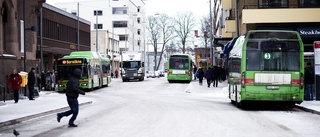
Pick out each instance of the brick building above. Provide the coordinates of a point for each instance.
(59, 37)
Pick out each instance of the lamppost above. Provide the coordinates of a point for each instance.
(97, 13)
(211, 34)
(113, 65)
(133, 29)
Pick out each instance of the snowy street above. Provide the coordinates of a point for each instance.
(155, 108)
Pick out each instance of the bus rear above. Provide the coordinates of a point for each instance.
(272, 67)
(179, 68)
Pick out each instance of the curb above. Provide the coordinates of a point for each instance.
(19, 120)
(307, 109)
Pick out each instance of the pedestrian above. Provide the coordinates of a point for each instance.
(72, 93)
(43, 79)
(216, 75)
(15, 80)
(116, 73)
(53, 79)
(48, 81)
(223, 73)
(200, 75)
(31, 83)
(309, 82)
(209, 76)
(195, 72)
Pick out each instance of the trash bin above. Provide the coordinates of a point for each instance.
(24, 76)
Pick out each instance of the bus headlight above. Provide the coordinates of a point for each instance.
(84, 84)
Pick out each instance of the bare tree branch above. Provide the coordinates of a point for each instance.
(184, 24)
(166, 25)
(154, 31)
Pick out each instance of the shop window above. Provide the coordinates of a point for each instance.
(309, 3)
(273, 3)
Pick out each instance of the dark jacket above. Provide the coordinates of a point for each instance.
(31, 78)
(209, 74)
(73, 89)
(309, 75)
(200, 73)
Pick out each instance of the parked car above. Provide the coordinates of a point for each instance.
(153, 74)
(150, 74)
(161, 73)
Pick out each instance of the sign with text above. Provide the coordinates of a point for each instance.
(317, 57)
(309, 32)
(75, 61)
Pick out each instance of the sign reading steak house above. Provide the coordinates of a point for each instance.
(309, 32)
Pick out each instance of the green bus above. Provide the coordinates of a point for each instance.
(267, 66)
(179, 68)
(95, 69)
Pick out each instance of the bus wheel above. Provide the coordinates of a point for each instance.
(238, 104)
(91, 85)
(169, 81)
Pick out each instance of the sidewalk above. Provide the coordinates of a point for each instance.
(222, 90)
(48, 102)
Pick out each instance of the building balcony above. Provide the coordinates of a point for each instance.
(226, 4)
(230, 26)
(282, 15)
(225, 34)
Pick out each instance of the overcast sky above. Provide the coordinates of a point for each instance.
(199, 7)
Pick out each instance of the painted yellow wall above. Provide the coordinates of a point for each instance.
(281, 15)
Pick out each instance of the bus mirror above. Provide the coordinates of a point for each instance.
(142, 64)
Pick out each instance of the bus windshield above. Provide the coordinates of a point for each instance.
(272, 55)
(179, 63)
(64, 72)
(131, 64)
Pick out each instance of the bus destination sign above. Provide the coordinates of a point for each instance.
(67, 62)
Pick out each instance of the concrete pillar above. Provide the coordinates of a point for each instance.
(50, 61)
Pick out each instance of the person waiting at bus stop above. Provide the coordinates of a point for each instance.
(15, 80)
(309, 82)
(72, 94)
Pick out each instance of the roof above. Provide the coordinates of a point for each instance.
(62, 12)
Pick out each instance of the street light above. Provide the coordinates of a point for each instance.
(133, 30)
(97, 13)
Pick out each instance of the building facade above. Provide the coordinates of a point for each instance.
(17, 38)
(122, 17)
(59, 36)
(298, 15)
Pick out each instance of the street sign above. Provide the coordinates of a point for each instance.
(317, 57)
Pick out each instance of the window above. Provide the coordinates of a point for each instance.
(138, 9)
(139, 30)
(309, 3)
(123, 37)
(74, 12)
(119, 10)
(273, 3)
(97, 12)
(99, 26)
(139, 41)
(120, 24)
(138, 20)
(273, 55)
